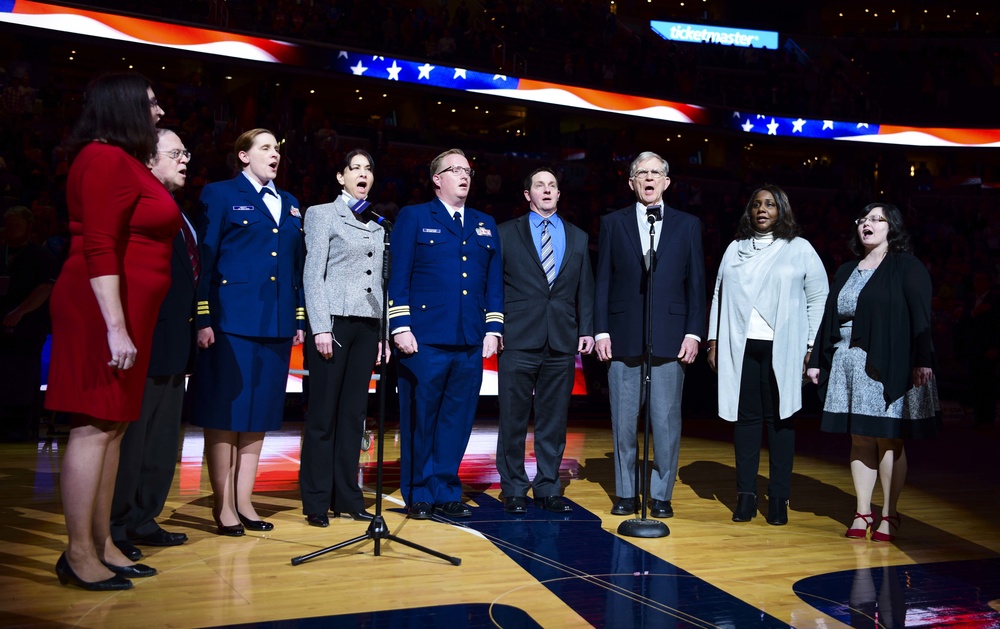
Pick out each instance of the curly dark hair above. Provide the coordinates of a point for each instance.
(898, 238)
(785, 227)
(116, 110)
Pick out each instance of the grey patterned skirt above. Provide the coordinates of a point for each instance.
(855, 402)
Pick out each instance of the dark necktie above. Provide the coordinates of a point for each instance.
(192, 249)
(548, 254)
(458, 220)
(266, 191)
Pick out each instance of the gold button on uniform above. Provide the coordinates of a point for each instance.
(464, 258)
(225, 281)
(465, 275)
(274, 253)
(272, 278)
(465, 292)
(275, 230)
(246, 222)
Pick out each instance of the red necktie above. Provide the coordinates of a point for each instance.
(192, 248)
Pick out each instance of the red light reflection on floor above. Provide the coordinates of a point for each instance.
(279, 461)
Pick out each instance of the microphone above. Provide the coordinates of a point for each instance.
(653, 214)
(364, 209)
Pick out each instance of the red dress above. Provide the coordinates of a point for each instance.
(122, 222)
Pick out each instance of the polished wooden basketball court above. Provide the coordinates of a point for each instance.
(541, 569)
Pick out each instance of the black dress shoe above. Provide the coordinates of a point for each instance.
(420, 511)
(135, 571)
(661, 509)
(777, 511)
(159, 538)
(453, 509)
(355, 515)
(130, 551)
(254, 525)
(516, 505)
(746, 507)
(67, 576)
(625, 506)
(555, 504)
(318, 519)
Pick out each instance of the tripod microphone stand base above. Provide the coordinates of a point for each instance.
(643, 528)
(378, 531)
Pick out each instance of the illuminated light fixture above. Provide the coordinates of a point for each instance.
(876, 15)
(312, 91)
(841, 14)
(477, 107)
(385, 95)
(131, 67)
(487, 111)
(361, 97)
(452, 111)
(357, 91)
(229, 78)
(71, 58)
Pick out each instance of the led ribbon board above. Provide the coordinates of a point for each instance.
(863, 131)
(723, 35)
(322, 59)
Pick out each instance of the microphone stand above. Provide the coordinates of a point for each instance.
(641, 527)
(377, 529)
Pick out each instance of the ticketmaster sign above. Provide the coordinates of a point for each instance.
(701, 34)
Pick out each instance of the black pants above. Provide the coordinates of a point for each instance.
(759, 405)
(338, 401)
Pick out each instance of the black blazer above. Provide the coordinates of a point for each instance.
(534, 315)
(174, 336)
(678, 283)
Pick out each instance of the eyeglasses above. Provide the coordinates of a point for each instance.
(176, 154)
(872, 219)
(650, 174)
(153, 102)
(459, 171)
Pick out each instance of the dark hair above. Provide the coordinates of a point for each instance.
(116, 110)
(784, 227)
(346, 162)
(543, 169)
(898, 238)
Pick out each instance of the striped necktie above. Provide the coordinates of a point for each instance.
(548, 254)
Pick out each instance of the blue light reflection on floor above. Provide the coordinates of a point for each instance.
(946, 594)
(606, 579)
(451, 616)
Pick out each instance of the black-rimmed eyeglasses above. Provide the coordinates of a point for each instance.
(459, 171)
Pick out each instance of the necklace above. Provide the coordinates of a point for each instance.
(753, 244)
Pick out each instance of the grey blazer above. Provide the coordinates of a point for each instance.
(343, 270)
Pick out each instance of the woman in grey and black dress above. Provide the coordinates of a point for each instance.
(873, 361)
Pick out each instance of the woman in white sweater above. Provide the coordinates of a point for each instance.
(766, 308)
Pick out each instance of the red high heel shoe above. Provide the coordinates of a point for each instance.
(861, 533)
(893, 521)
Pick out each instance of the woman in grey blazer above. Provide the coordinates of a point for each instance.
(343, 290)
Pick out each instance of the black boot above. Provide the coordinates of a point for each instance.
(746, 507)
(777, 511)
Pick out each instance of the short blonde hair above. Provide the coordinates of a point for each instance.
(436, 162)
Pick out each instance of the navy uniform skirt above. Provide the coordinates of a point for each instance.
(239, 383)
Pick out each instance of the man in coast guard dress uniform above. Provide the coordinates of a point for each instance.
(445, 315)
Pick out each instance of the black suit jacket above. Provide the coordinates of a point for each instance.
(174, 337)
(534, 315)
(678, 283)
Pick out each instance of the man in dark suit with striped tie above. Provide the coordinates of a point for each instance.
(548, 318)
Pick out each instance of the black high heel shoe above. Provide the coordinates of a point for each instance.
(135, 571)
(66, 576)
(254, 525)
(777, 511)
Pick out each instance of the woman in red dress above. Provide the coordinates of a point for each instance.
(104, 307)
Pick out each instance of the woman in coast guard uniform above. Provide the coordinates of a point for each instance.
(250, 311)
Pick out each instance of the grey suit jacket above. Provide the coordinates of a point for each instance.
(534, 315)
(343, 270)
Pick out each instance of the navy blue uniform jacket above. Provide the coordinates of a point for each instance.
(251, 267)
(447, 287)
